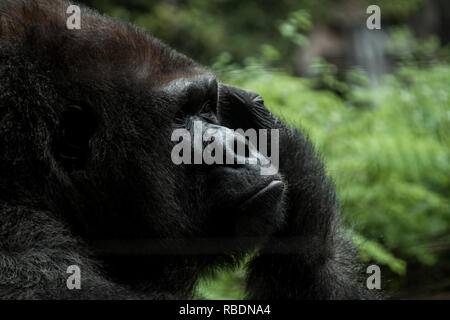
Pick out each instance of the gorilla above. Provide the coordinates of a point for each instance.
(87, 178)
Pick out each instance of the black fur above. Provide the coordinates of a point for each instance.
(86, 176)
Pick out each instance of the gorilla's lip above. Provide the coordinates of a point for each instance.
(275, 187)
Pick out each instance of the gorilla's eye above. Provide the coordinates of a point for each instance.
(206, 112)
(76, 128)
(207, 108)
(197, 97)
(180, 118)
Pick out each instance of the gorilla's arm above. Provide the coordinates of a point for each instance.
(35, 252)
(308, 258)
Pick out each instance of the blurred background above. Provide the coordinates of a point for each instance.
(375, 102)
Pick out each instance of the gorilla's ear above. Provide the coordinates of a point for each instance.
(76, 128)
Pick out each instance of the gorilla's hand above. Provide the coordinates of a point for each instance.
(308, 258)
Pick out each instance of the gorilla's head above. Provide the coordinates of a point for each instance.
(86, 120)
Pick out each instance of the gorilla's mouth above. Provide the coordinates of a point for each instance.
(272, 191)
(261, 214)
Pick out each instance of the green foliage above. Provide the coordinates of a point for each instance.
(390, 160)
(398, 9)
(371, 250)
(222, 285)
(407, 49)
(292, 28)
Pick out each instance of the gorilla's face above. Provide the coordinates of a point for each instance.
(107, 102)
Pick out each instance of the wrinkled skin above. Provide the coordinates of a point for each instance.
(86, 176)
